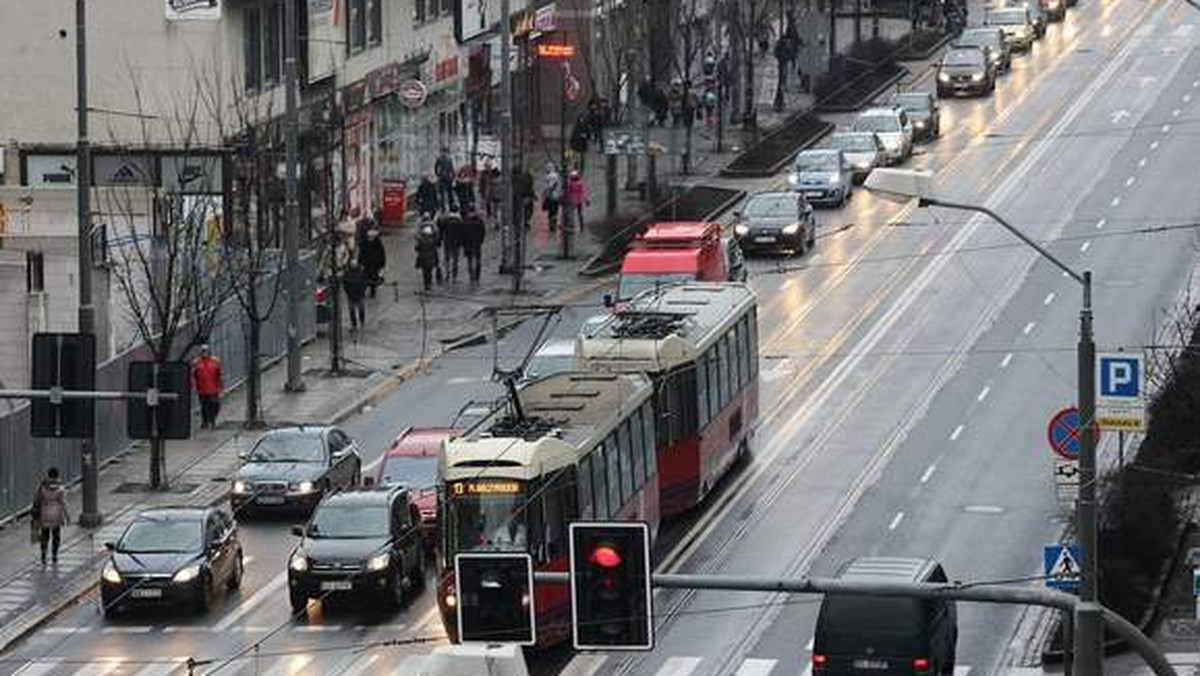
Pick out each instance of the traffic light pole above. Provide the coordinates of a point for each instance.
(89, 513)
(291, 225)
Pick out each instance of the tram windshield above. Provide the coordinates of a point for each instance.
(486, 515)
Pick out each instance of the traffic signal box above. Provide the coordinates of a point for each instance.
(66, 361)
(166, 419)
(611, 603)
(495, 598)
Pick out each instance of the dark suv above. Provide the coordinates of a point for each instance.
(361, 543)
(886, 635)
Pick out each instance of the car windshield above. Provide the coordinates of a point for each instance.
(963, 57)
(551, 359)
(883, 123)
(349, 521)
(913, 101)
(978, 38)
(486, 514)
(162, 536)
(412, 471)
(635, 283)
(853, 143)
(289, 447)
(1006, 17)
(817, 162)
(771, 206)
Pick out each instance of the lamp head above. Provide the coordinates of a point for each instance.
(900, 185)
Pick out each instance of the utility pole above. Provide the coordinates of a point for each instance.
(291, 225)
(514, 232)
(89, 515)
(1089, 625)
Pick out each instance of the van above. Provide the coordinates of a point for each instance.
(886, 635)
(675, 252)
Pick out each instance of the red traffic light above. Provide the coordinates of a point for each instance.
(605, 556)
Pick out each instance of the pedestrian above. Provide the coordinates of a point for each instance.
(427, 197)
(552, 194)
(577, 199)
(206, 377)
(675, 98)
(443, 169)
(49, 514)
(373, 259)
(489, 187)
(523, 196)
(473, 233)
(427, 253)
(355, 284)
(450, 227)
(710, 107)
(464, 187)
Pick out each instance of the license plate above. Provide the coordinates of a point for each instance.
(145, 593)
(765, 240)
(813, 193)
(337, 585)
(871, 664)
(269, 499)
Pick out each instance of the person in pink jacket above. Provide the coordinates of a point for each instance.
(576, 198)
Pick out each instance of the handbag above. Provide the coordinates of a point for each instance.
(35, 531)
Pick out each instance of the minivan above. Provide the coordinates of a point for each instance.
(886, 635)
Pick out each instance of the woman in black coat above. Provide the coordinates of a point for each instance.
(373, 259)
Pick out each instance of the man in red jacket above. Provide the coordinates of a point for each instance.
(206, 375)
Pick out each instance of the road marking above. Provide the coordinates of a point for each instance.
(1166, 128)
(66, 630)
(290, 665)
(1048, 299)
(1175, 113)
(317, 628)
(1142, 163)
(1028, 328)
(166, 666)
(1154, 145)
(1085, 246)
(467, 380)
(1007, 359)
(983, 509)
(41, 667)
(808, 646)
(1116, 200)
(963, 670)
(360, 666)
(983, 393)
(251, 603)
(1179, 659)
(957, 431)
(100, 667)
(924, 479)
(756, 667)
(678, 666)
(1130, 181)
(896, 521)
(140, 629)
(1187, 98)
(583, 664)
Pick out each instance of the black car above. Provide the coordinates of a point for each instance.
(923, 110)
(965, 70)
(776, 221)
(172, 555)
(295, 467)
(360, 543)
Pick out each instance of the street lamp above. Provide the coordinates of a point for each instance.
(905, 185)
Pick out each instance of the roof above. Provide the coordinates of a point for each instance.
(566, 415)
(360, 497)
(178, 512)
(304, 430)
(420, 441)
(886, 568)
(676, 231)
(818, 151)
(662, 261)
(556, 347)
(879, 110)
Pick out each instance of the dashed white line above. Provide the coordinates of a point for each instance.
(984, 393)
(679, 666)
(1085, 246)
(928, 473)
(1154, 145)
(1101, 223)
(957, 431)
(127, 630)
(1028, 328)
(1175, 113)
(1187, 98)
(1007, 358)
(1166, 128)
(1195, 84)
(1116, 201)
(66, 630)
(896, 521)
(1142, 163)
(318, 628)
(1048, 299)
(1130, 181)
(756, 666)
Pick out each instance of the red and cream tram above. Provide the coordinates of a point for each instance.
(699, 343)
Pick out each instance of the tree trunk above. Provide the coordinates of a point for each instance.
(610, 180)
(158, 477)
(253, 372)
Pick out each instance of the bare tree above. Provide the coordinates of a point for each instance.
(746, 19)
(695, 39)
(164, 253)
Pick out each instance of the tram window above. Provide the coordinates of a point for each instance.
(685, 382)
(723, 369)
(702, 390)
(626, 452)
(532, 517)
(735, 361)
(714, 382)
(638, 446)
(558, 509)
(599, 492)
(744, 352)
(614, 476)
(585, 490)
(753, 342)
(651, 450)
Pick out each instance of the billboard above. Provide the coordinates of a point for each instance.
(186, 10)
(325, 37)
(475, 17)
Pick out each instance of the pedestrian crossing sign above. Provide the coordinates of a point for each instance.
(1060, 566)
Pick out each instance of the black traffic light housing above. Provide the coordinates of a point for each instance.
(66, 361)
(611, 603)
(168, 419)
(495, 598)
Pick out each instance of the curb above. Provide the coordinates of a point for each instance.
(865, 99)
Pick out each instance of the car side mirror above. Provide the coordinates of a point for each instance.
(368, 481)
(608, 300)
(298, 531)
(243, 455)
(737, 215)
(110, 546)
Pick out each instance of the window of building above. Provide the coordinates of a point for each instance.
(264, 39)
(252, 48)
(35, 272)
(273, 44)
(364, 27)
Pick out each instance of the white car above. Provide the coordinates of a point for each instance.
(892, 126)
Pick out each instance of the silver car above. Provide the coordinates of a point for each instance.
(893, 128)
(863, 150)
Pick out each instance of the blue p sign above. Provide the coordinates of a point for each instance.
(1120, 376)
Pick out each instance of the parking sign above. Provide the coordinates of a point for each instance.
(1121, 384)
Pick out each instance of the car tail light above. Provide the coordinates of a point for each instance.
(819, 662)
(920, 665)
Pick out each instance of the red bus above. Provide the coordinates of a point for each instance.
(581, 448)
(699, 343)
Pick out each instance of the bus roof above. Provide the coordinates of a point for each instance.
(677, 231)
(661, 329)
(566, 414)
(661, 261)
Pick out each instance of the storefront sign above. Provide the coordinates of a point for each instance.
(446, 69)
(183, 10)
(555, 51)
(50, 171)
(383, 81)
(413, 93)
(395, 202)
(192, 174)
(122, 170)
(354, 96)
(545, 18)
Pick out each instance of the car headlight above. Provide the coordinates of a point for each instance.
(791, 229)
(793, 178)
(995, 57)
(835, 179)
(379, 562)
(862, 165)
(111, 575)
(298, 562)
(920, 124)
(944, 77)
(304, 486)
(186, 575)
(741, 229)
(240, 486)
(977, 77)
(450, 600)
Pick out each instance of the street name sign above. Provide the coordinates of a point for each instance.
(1060, 566)
(1121, 391)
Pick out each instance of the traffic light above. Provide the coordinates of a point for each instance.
(611, 604)
(66, 361)
(495, 598)
(168, 419)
